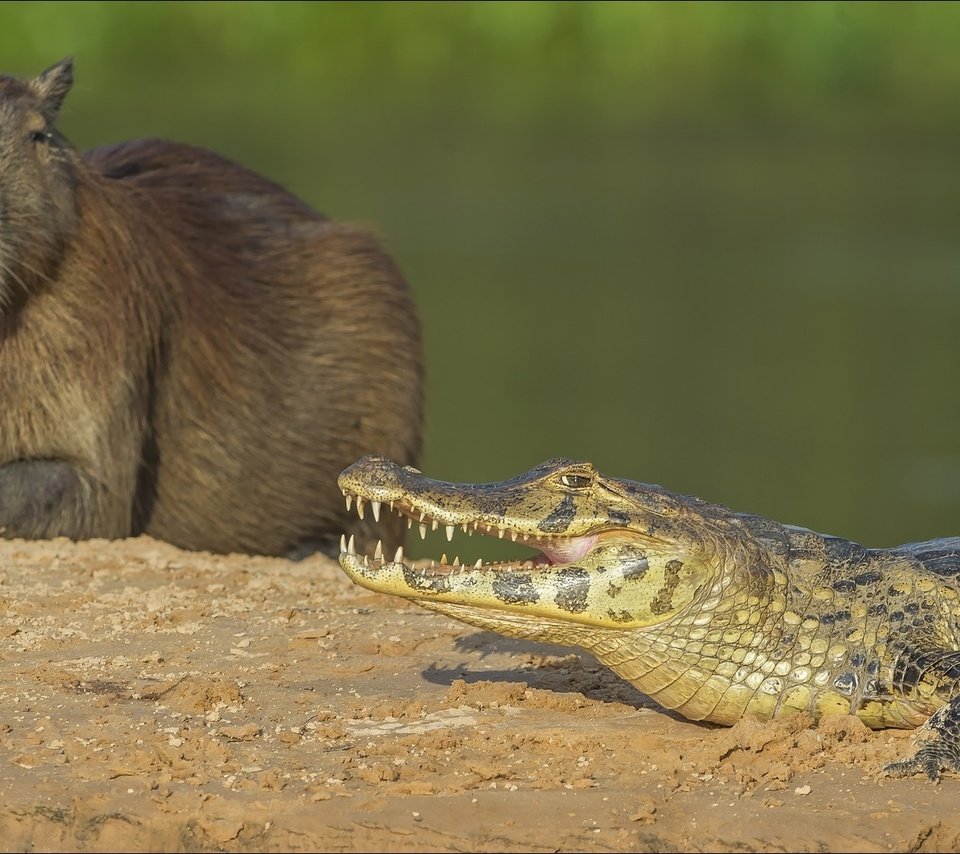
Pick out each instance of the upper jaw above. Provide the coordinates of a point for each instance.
(554, 548)
(375, 484)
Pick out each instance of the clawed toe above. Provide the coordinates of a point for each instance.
(928, 764)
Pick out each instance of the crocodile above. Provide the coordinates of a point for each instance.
(712, 613)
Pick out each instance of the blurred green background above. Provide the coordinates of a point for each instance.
(710, 245)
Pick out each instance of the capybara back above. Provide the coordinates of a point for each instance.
(186, 349)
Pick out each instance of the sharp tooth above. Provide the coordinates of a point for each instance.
(478, 564)
(500, 533)
(351, 548)
(449, 532)
(359, 506)
(391, 505)
(409, 523)
(375, 507)
(398, 557)
(513, 536)
(443, 559)
(434, 525)
(366, 561)
(433, 564)
(423, 531)
(378, 551)
(423, 516)
(349, 501)
(456, 561)
(464, 526)
(343, 543)
(476, 526)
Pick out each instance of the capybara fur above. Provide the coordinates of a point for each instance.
(186, 349)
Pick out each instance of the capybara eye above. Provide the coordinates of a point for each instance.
(40, 136)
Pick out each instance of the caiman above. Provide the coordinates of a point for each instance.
(712, 613)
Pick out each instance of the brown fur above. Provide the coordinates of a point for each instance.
(186, 349)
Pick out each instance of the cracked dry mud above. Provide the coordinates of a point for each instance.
(154, 699)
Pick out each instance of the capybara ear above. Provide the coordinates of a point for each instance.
(52, 86)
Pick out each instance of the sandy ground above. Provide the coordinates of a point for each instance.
(153, 699)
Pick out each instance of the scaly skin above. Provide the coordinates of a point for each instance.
(712, 613)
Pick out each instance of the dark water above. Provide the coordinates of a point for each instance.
(766, 317)
(768, 320)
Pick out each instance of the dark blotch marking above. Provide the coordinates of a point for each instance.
(614, 590)
(618, 517)
(909, 667)
(771, 533)
(857, 659)
(515, 588)
(425, 582)
(620, 616)
(838, 551)
(944, 561)
(635, 571)
(573, 584)
(846, 683)
(908, 677)
(663, 601)
(559, 520)
(868, 577)
(844, 585)
(877, 609)
(950, 672)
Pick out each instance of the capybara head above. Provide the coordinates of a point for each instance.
(37, 209)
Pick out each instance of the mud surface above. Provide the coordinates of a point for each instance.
(153, 699)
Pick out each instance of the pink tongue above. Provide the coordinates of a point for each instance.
(568, 551)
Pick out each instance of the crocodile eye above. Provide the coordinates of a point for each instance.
(575, 481)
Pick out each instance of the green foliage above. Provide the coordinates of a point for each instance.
(510, 58)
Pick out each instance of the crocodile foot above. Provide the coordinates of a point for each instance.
(938, 745)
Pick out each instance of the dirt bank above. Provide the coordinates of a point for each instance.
(153, 699)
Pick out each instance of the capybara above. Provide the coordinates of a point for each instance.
(186, 349)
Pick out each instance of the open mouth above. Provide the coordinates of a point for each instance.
(606, 576)
(551, 549)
